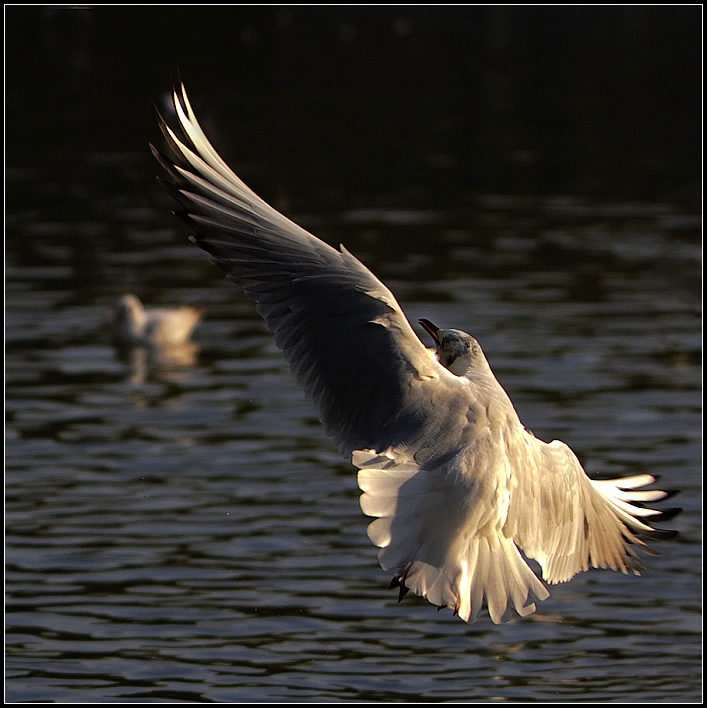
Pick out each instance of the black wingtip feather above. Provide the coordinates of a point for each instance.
(176, 155)
(667, 514)
(659, 534)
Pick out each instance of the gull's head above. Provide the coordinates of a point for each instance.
(129, 315)
(457, 351)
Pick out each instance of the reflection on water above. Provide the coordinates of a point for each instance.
(165, 362)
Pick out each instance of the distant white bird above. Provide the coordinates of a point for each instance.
(457, 485)
(156, 327)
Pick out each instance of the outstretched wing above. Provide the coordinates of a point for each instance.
(341, 330)
(454, 538)
(569, 522)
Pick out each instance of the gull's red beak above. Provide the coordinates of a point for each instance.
(431, 329)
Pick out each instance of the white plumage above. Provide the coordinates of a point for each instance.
(133, 324)
(456, 484)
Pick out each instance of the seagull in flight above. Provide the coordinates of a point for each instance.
(461, 493)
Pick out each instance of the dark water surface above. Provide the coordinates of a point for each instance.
(182, 531)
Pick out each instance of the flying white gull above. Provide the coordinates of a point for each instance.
(457, 485)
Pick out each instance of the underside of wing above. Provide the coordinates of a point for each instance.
(341, 330)
(569, 522)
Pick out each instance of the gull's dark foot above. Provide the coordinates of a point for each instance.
(398, 581)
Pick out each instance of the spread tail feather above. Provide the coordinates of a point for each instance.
(435, 554)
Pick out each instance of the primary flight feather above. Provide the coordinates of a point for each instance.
(458, 487)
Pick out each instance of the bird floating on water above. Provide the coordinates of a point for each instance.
(134, 325)
(458, 487)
